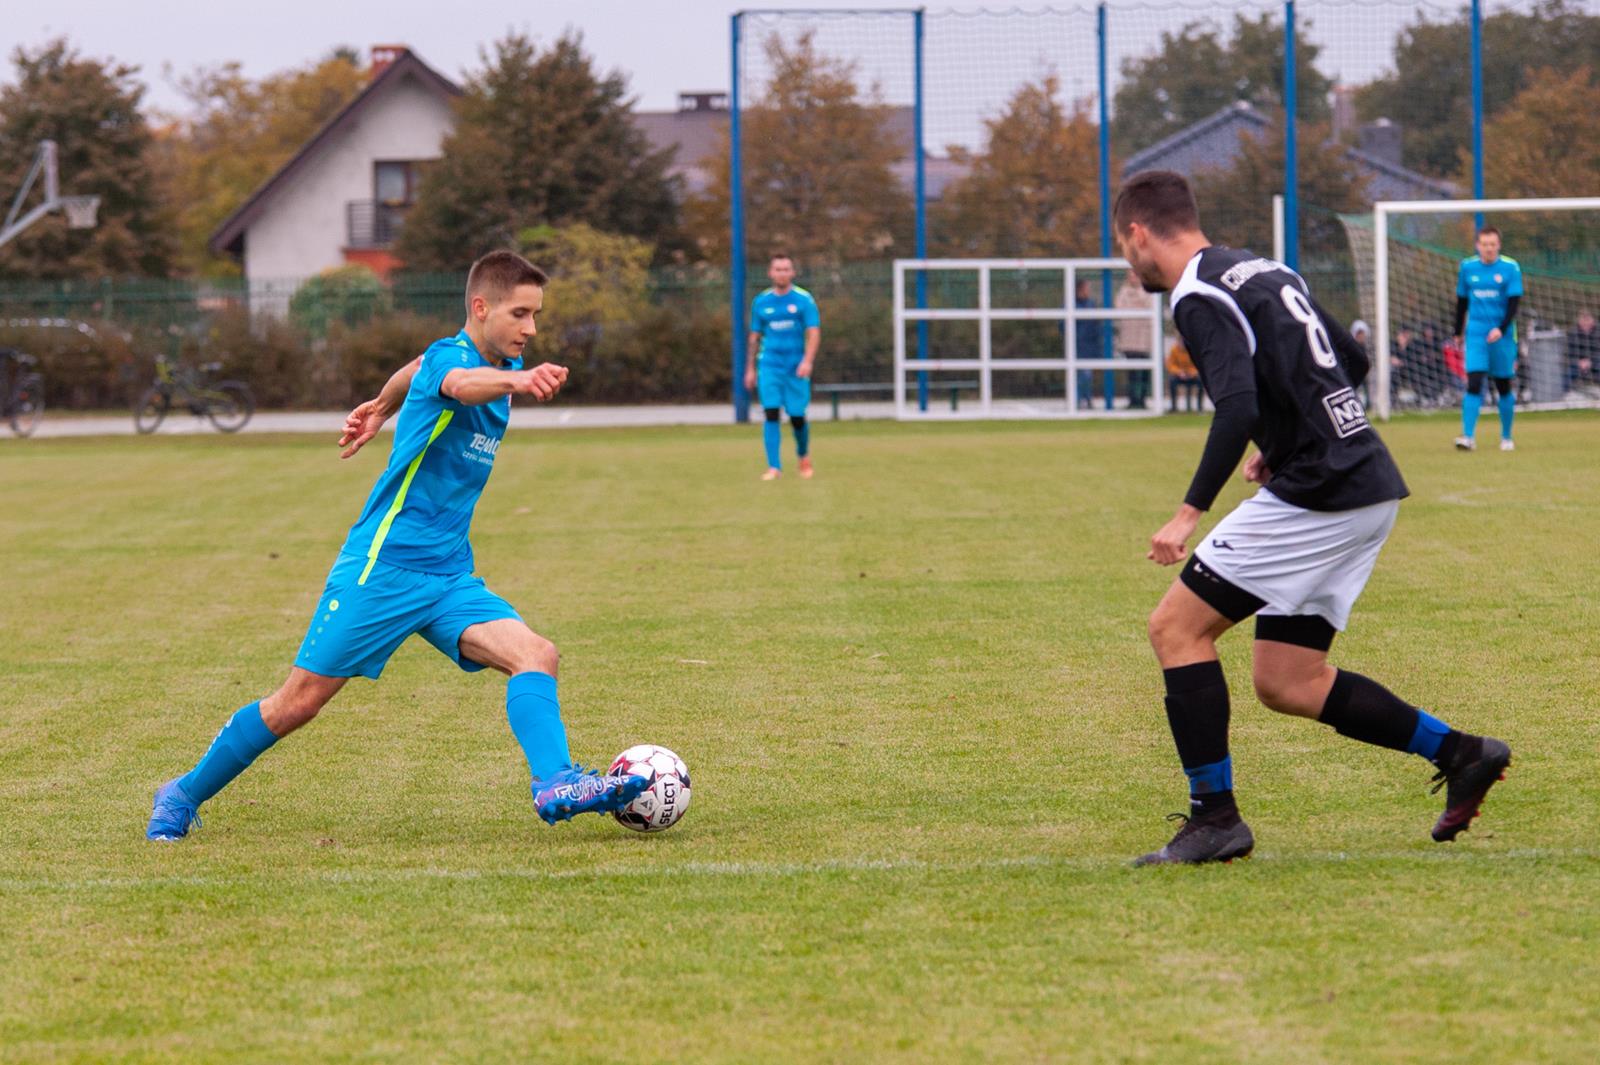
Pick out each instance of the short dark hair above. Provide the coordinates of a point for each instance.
(497, 274)
(775, 256)
(1488, 231)
(1159, 200)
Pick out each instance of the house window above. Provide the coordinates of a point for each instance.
(395, 183)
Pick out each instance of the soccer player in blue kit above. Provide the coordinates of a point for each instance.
(785, 330)
(1488, 290)
(406, 566)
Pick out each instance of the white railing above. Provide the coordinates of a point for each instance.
(985, 365)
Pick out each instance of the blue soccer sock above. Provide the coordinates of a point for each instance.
(772, 437)
(535, 717)
(1365, 710)
(240, 742)
(1471, 404)
(1508, 409)
(1197, 712)
(802, 434)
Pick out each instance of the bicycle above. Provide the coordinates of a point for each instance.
(227, 404)
(21, 391)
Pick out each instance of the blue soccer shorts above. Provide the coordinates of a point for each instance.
(781, 388)
(1498, 359)
(360, 624)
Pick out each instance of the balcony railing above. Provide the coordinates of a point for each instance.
(371, 224)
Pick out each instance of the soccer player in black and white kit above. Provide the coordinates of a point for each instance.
(1283, 374)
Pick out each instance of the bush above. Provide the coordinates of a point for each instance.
(362, 357)
(345, 294)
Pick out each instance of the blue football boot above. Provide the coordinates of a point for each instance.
(576, 790)
(173, 814)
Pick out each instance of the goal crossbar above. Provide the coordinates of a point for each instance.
(1380, 273)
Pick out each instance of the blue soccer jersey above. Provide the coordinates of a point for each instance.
(1487, 288)
(419, 511)
(782, 322)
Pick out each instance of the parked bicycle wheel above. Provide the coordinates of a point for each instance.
(27, 404)
(229, 405)
(150, 410)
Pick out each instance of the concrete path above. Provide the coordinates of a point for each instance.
(328, 422)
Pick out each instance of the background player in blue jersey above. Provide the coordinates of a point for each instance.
(406, 566)
(785, 330)
(1488, 289)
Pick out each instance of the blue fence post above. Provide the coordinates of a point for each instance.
(922, 207)
(736, 263)
(1108, 348)
(1477, 105)
(1291, 181)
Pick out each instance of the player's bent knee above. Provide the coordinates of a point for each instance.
(773, 414)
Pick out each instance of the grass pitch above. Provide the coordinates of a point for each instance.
(926, 736)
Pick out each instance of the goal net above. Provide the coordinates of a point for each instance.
(1408, 256)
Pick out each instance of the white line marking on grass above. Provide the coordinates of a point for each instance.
(782, 869)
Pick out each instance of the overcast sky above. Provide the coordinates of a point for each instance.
(664, 46)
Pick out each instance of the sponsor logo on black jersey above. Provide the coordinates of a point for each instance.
(1346, 412)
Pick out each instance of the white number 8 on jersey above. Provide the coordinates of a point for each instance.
(1316, 335)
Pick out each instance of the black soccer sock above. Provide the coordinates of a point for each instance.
(1365, 710)
(1197, 712)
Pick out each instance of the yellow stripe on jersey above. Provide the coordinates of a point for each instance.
(400, 496)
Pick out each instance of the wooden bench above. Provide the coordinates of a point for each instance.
(833, 392)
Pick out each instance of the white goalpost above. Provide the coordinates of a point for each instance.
(1383, 211)
(1055, 371)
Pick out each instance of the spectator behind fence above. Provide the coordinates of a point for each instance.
(1091, 345)
(1134, 337)
(1182, 377)
(1583, 352)
(1414, 367)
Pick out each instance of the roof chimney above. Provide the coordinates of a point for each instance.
(384, 56)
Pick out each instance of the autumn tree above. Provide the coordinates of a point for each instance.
(1430, 93)
(1199, 71)
(236, 133)
(90, 108)
(818, 154)
(541, 138)
(1545, 145)
(1032, 190)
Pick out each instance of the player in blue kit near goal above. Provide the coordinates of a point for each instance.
(1488, 292)
(406, 565)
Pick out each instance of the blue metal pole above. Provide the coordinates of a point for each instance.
(736, 259)
(1291, 179)
(1477, 105)
(922, 206)
(1109, 350)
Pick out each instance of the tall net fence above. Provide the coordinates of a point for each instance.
(1010, 112)
(1556, 334)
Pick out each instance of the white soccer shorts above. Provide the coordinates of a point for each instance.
(1299, 561)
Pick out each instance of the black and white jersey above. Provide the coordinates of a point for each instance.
(1251, 325)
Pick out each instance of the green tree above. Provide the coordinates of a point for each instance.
(1234, 199)
(90, 108)
(818, 157)
(1032, 190)
(1196, 72)
(1430, 93)
(236, 133)
(540, 138)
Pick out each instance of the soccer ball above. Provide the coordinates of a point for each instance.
(662, 804)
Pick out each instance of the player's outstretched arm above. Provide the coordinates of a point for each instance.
(363, 423)
(485, 383)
